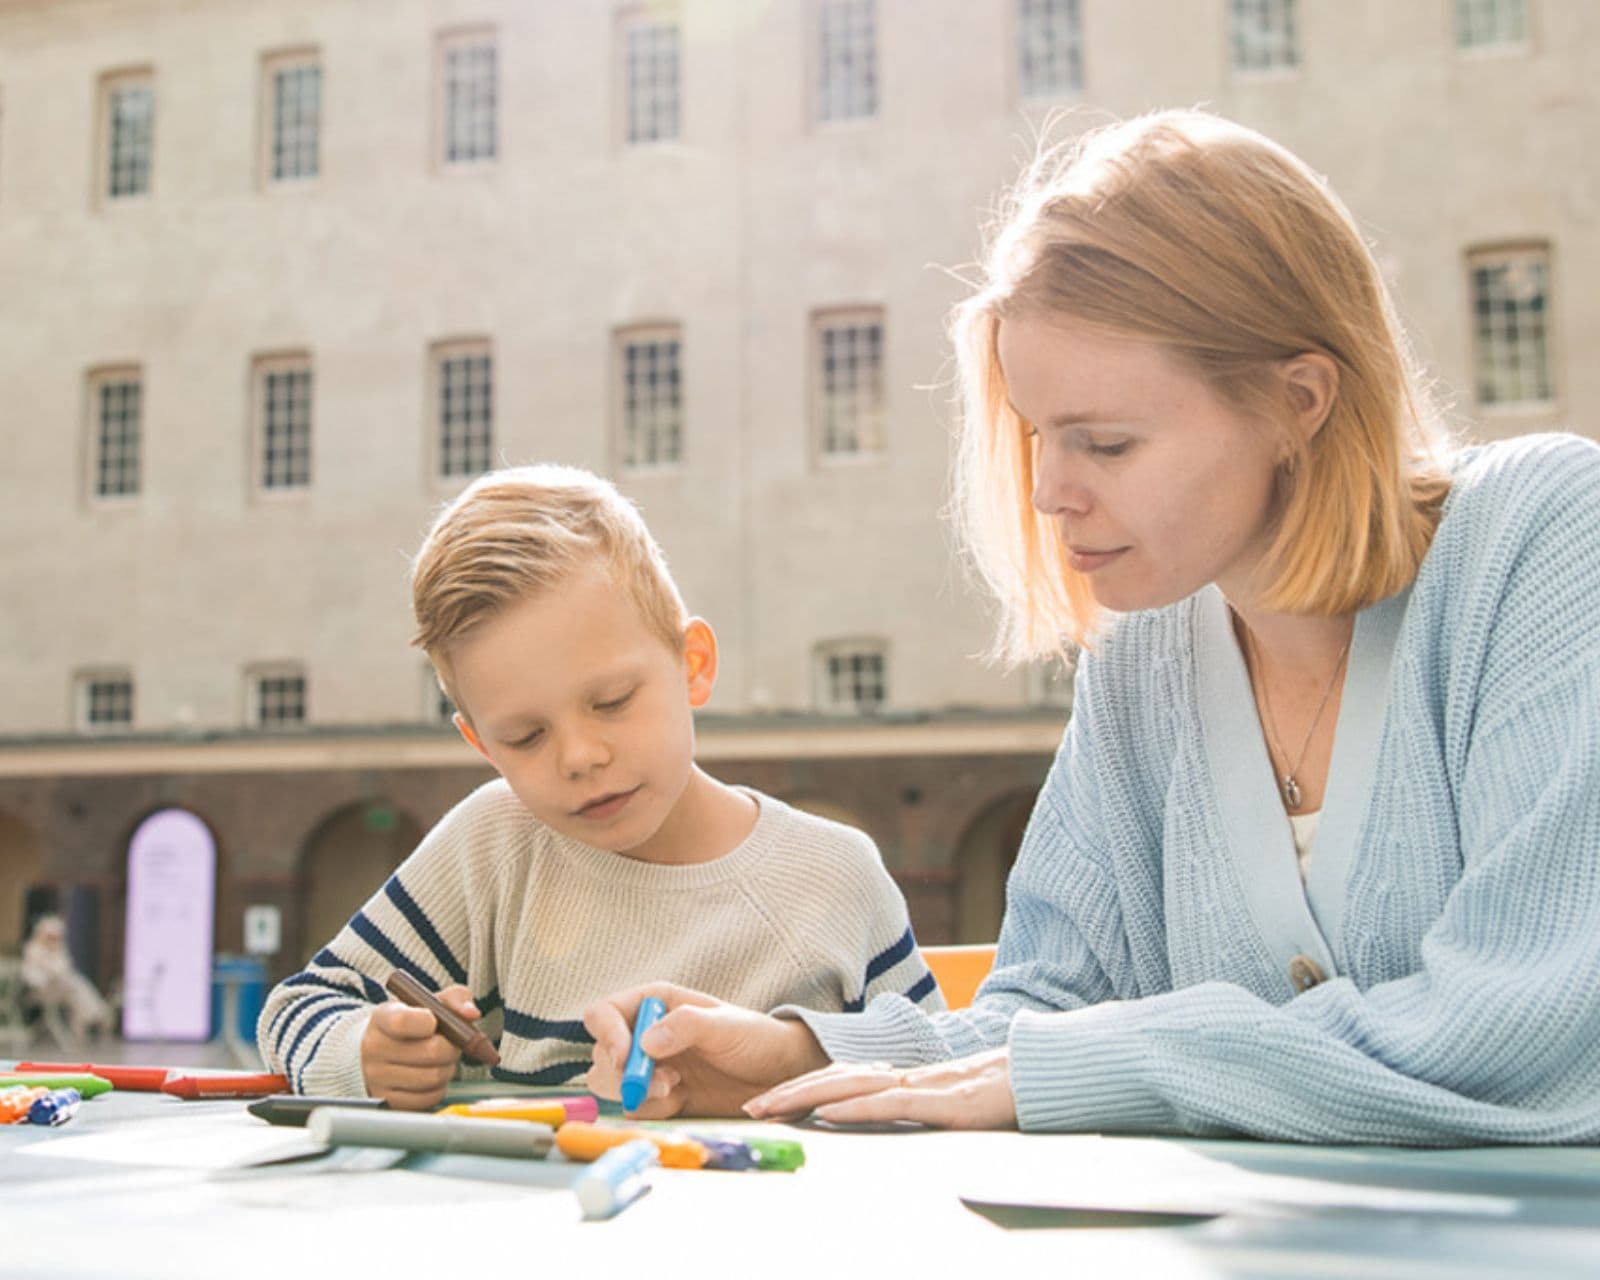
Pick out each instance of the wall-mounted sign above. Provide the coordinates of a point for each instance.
(166, 984)
(263, 930)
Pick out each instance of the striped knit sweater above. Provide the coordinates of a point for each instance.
(1143, 981)
(539, 926)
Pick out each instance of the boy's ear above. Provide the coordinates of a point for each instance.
(460, 722)
(700, 660)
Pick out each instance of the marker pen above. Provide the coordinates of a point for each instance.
(16, 1103)
(56, 1107)
(139, 1079)
(580, 1141)
(615, 1180)
(189, 1087)
(88, 1086)
(640, 1066)
(727, 1153)
(550, 1111)
(452, 1026)
(782, 1155)
(293, 1108)
(344, 1127)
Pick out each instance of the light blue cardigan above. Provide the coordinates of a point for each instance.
(1453, 899)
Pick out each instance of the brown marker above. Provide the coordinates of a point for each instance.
(452, 1026)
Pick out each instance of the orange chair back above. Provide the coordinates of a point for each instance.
(959, 971)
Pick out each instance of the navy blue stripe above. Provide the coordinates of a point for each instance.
(890, 956)
(417, 918)
(305, 1030)
(489, 1003)
(528, 1027)
(306, 979)
(559, 1073)
(921, 987)
(856, 1005)
(302, 1006)
(325, 959)
(361, 925)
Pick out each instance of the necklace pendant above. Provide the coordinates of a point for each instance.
(1291, 791)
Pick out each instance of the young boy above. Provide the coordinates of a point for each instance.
(603, 856)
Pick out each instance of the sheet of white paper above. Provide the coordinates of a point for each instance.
(198, 1142)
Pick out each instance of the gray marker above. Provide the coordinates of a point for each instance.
(340, 1127)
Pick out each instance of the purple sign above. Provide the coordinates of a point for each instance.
(166, 970)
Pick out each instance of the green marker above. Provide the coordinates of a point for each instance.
(88, 1086)
(780, 1154)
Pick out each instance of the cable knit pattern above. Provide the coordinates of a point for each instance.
(1453, 903)
(539, 926)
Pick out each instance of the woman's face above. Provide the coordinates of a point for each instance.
(1156, 486)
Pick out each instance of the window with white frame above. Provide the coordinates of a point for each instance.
(283, 422)
(1049, 47)
(464, 387)
(1511, 325)
(852, 677)
(1264, 35)
(1049, 684)
(849, 383)
(847, 59)
(469, 97)
(650, 397)
(293, 106)
(116, 415)
(651, 74)
(278, 698)
(128, 111)
(1485, 23)
(105, 701)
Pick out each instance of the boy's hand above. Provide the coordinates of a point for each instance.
(404, 1059)
(711, 1057)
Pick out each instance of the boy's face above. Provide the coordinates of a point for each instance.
(584, 710)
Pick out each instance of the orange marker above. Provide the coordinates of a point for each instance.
(14, 1103)
(554, 1112)
(578, 1140)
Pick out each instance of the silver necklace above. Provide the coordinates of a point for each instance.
(1287, 784)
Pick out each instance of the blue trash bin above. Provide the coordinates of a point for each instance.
(249, 974)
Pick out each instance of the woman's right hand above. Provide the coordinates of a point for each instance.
(712, 1057)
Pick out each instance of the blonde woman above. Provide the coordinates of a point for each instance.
(1317, 858)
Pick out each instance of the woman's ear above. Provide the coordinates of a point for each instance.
(1311, 385)
(700, 660)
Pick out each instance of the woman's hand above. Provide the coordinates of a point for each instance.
(711, 1056)
(404, 1059)
(965, 1093)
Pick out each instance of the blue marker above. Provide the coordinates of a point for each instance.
(56, 1107)
(640, 1066)
(727, 1153)
(616, 1179)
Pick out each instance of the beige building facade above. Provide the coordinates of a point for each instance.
(283, 275)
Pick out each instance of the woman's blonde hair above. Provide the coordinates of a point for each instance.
(516, 533)
(1208, 239)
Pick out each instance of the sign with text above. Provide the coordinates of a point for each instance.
(172, 872)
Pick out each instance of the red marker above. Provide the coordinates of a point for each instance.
(138, 1079)
(192, 1087)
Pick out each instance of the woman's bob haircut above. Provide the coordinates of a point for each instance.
(1213, 242)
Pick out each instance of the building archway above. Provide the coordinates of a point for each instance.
(344, 862)
(19, 868)
(984, 857)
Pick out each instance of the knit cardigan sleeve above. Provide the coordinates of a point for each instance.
(1061, 940)
(1494, 1038)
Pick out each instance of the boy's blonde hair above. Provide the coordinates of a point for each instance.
(514, 533)
(1217, 244)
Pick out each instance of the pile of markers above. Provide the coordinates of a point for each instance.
(38, 1104)
(619, 1157)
